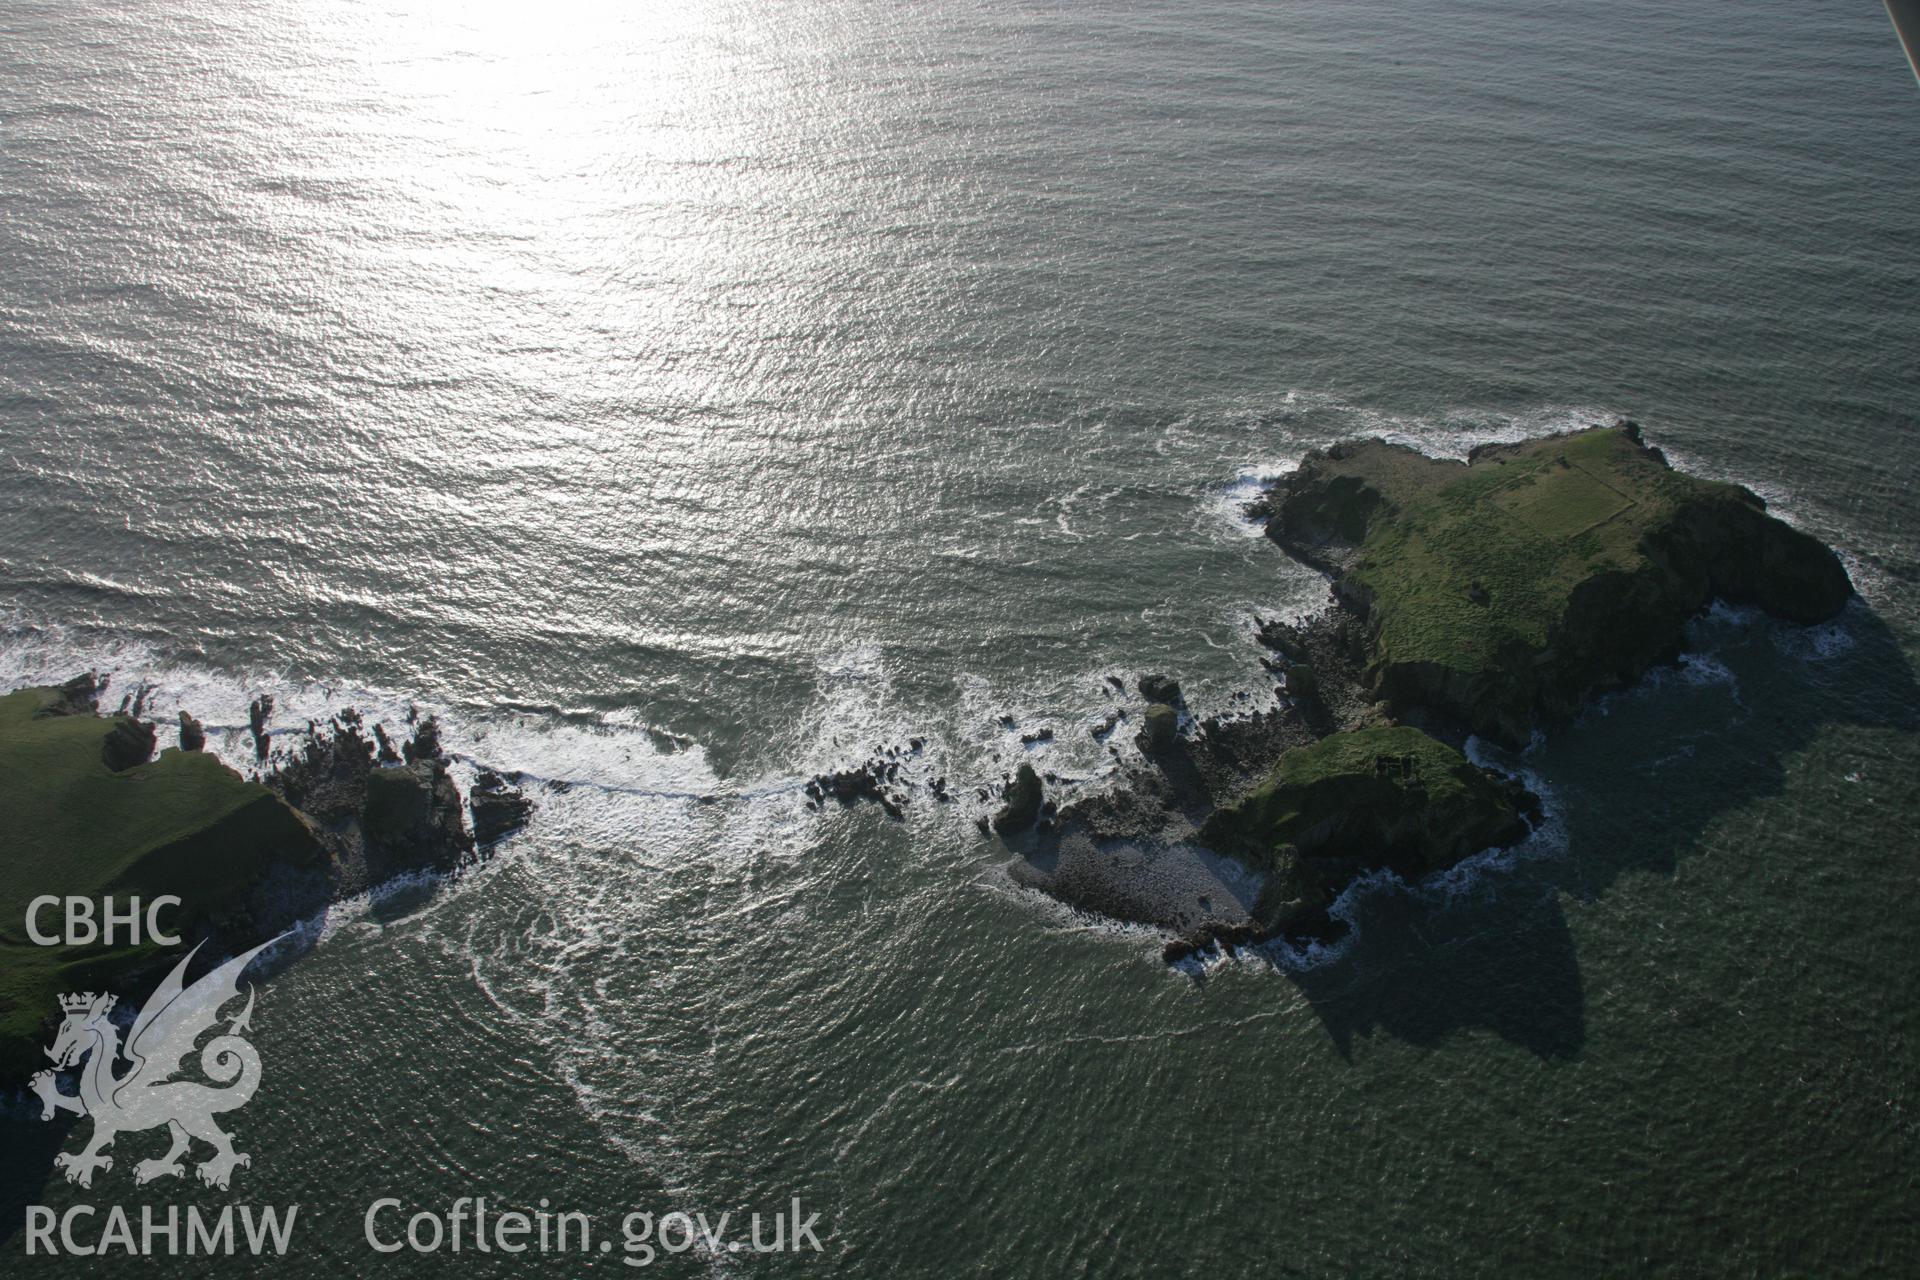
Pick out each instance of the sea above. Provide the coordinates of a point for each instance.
(681, 400)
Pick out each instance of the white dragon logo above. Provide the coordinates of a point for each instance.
(149, 1094)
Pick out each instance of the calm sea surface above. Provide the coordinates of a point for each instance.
(684, 398)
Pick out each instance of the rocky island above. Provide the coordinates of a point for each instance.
(94, 812)
(1491, 597)
(1488, 597)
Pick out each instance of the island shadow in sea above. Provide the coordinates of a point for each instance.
(1637, 780)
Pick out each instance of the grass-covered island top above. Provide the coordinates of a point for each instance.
(1390, 796)
(1510, 588)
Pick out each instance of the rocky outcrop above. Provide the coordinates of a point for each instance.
(499, 807)
(1487, 596)
(91, 812)
(1162, 727)
(127, 744)
(376, 821)
(1368, 799)
(79, 696)
(1161, 688)
(249, 858)
(873, 781)
(1023, 798)
(259, 711)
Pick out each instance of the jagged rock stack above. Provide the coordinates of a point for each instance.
(499, 809)
(1023, 799)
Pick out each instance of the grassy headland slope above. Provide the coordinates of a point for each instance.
(181, 824)
(1514, 586)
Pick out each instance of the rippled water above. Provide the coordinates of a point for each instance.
(682, 399)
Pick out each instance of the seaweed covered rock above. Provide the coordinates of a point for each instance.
(1511, 588)
(1367, 799)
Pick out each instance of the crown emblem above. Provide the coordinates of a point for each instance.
(81, 1001)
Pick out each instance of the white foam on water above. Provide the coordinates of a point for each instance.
(854, 713)
(1318, 420)
(617, 752)
(1548, 839)
(1064, 917)
(1720, 620)
(1224, 509)
(1822, 642)
(359, 911)
(1066, 505)
(1315, 953)
(1070, 705)
(1698, 670)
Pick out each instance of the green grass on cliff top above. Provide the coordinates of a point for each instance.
(1357, 754)
(1526, 525)
(1377, 771)
(183, 824)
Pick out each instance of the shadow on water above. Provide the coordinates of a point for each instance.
(28, 1145)
(1634, 784)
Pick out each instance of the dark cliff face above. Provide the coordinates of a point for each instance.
(1369, 798)
(376, 821)
(1509, 590)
